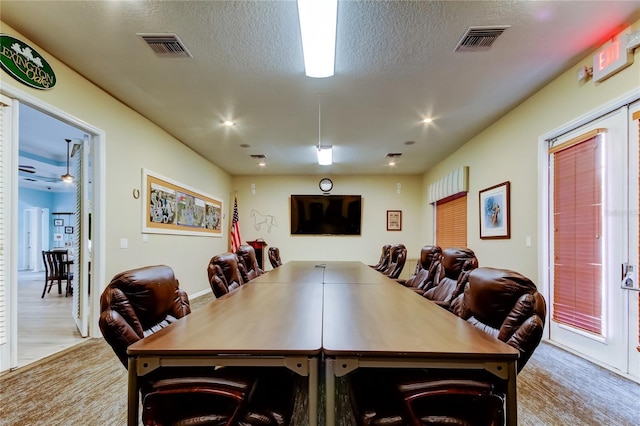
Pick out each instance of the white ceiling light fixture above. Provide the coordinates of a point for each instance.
(67, 178)
(318, 29)
(325, 152)
(325, 155)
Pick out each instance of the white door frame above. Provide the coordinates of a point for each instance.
(98, 206)
(543, 185)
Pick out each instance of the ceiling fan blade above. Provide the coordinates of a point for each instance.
(26, 169)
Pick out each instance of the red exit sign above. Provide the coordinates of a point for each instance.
(611, 58)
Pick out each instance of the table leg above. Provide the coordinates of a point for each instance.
(512, 397)
(132, 395)
(330, 390)
(313, 391)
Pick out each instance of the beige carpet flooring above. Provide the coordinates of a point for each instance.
(86, 385)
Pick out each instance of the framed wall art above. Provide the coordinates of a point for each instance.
(394, 220)
(68, 229)
(58, 222)
(495, 222)
(173, 208)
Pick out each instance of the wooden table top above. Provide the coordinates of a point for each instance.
(254, 319)
(389, 320)
(344, 317)
(293, 272)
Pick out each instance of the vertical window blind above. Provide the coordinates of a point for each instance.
(451, 221)
(577, 239)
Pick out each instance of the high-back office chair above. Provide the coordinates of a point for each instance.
(423, 277)
(247, 256)
(384, 258)
(451, 275)
(57, 269)
(225, 273)
(274, 257)
(140, 302)
(502, 303)
(397, 258)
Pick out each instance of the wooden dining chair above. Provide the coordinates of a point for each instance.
(56, 265)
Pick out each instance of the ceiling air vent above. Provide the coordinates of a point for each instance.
(166, 45)
(479, 38)
(393, 155)
(258, 156)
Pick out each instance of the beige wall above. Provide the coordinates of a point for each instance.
(131, 144)
(508, 151)
(379, 194)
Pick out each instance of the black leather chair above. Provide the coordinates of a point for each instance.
(274, 257)
(225, 273)
(423, 277)
(451, 275)
(247, 256)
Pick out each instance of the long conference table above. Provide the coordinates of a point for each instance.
(303, 312)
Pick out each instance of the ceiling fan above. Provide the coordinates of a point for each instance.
(28, 172)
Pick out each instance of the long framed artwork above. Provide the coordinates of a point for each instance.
(170, 207)
(495, 222)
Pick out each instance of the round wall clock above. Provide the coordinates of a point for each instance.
(326, 185)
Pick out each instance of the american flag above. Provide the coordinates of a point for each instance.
(236, 240)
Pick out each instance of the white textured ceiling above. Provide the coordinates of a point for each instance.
(395, 64)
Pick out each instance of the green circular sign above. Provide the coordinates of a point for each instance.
(25, 64)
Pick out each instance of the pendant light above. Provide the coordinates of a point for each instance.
(325, 152)
(67, 178)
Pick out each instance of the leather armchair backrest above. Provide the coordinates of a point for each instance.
(274, 257)
(450, 274)
(428, 254)
(247, 256)
(457, 259)
(397, 259)
(384, 258)
(228, 269)
(506, 305)
(139, 302)
(425, 268)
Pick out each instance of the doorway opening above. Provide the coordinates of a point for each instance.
(46, 209)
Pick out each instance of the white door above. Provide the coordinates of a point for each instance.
(601, 335)
(8, 241)
(82, 261)
(630, 282)
(36, 232)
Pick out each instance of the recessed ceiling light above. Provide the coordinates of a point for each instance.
(229, 123)
(391, 158)
(427, 120)
(245, 145)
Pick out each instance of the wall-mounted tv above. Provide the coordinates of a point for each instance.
(326, 214)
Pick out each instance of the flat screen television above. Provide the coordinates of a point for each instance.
(326, 214)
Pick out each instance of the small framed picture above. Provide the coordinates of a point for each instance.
(68, 229)
(394, 220)
(58, 222)
(494, 212)
(57, 237)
